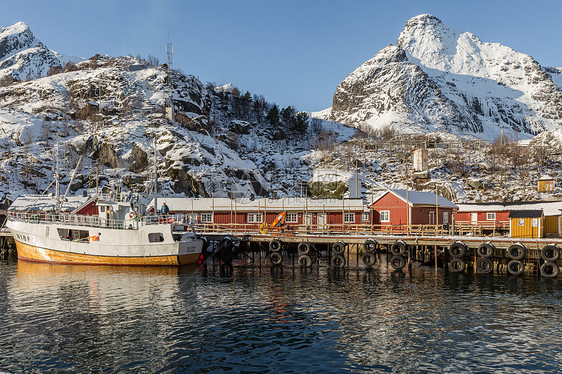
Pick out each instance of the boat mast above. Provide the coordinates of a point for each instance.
(57, 182)
(155, 177)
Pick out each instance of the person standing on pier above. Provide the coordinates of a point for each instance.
(165, 210)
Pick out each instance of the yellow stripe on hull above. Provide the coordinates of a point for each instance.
(28, 252)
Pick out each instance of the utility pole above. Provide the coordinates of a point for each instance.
(169, 100)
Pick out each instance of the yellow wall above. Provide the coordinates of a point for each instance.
(526, 230)
(551, 225)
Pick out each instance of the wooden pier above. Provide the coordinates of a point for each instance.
(485, 255)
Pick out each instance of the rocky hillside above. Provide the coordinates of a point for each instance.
(438, 79)
(108, 111)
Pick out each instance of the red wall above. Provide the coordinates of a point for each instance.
(501, 216)
(398, 210)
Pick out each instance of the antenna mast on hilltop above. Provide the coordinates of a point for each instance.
(169, 102)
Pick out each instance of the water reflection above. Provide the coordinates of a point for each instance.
(262, 319)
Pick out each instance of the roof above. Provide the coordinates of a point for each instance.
(187, 204)
(421, 198)
(550, 208)
(525, 213)
(45, 202)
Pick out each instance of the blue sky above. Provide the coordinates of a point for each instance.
(294, 52)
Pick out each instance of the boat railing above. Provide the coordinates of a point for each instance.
(131, 223)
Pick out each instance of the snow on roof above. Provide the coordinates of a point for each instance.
(550, 208)
(45, 202)
(185, 204)
(545, 177)
(422, 198)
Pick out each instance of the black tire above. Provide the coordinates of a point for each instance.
(369, 259)
(515, 267)
(550, 253)
(338, 248)
(399, 248)
(304, 261)
(486, 250)
(303, 248)
(276, 258)
(397, 262)
(338, 261)
(516, 252)
(457, 249)
(550, 270)
(457, 265)
(275, 245)
(484, 265)
(371, 246)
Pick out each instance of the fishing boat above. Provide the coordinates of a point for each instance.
(102, 230)
(105, 229)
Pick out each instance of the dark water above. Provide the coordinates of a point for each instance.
(103, 319)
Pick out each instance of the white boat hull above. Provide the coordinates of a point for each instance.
(42, 242)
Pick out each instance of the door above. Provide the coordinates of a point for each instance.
(321, 221)
(432, 218)
(474, 218)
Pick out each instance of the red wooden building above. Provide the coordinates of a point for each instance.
(401, 208)
(246, 214)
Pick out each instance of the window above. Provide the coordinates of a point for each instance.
(534, 222)
(292, 218)
(155, 237)
(521, 221)
(445, 218)
(365, 216)
(207, 217)
(349, 218)
(385, 215)
(255, 217)
(491, 216)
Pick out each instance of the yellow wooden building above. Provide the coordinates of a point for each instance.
(546, 184)
(526, 224)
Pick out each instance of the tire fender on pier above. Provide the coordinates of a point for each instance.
(515, 267)
(484, 265)
(457, 265)
(369, 259)
(304, 261)
(276, 258)
(550, 270)
(304, 248)
(371, 246)
(517, 251)
(275, 245)
(550, 253)
(338, 248)
(397, 262)
(338, 261)
(485, 250)
(399, 248)
(457, 249)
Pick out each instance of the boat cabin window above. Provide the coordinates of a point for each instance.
(155, 237)
(74, 235)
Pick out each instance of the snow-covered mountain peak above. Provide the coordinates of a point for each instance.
(22, 56)
(437, 78)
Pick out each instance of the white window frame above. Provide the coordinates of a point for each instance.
(206, 217)
(254, 218)
(385, 215)
(292, 218)
(365, 216)
(491, 216)
(445, 218)
(349, 218)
